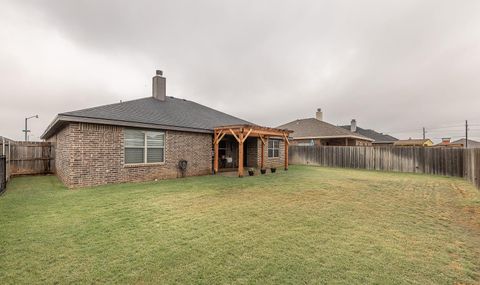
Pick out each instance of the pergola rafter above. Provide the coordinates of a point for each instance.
(241, 133)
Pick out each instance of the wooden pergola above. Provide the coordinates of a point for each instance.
(241, 133)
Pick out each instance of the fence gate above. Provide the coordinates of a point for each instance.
(3, 173)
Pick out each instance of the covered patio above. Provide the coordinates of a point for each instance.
(240, 135)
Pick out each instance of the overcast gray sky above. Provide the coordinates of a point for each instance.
(395, 66)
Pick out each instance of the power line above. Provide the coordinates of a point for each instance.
(442, 130)
(446, 127)
(459, 129)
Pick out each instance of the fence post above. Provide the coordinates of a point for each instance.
(3, 173)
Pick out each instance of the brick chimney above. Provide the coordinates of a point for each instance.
(319, 114)
(159, 86)
(353, 125)
(446, 140)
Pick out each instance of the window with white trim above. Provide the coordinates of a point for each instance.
(273, 148)
(144, 146)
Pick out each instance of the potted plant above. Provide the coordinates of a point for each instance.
(273, 169)
(251, 171)
(263, 170)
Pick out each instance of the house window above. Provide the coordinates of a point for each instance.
(273, 148)
(144, 147)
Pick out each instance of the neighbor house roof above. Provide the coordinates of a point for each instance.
(471, 143)
(369, 133)
(173, 113)
(449, 145)
(313, 128)
(413, 142)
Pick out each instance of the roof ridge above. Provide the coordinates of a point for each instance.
(328, 129)
(105, 105)
(210, 108)
(172, 113)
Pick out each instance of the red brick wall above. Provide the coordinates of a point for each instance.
(62, 154)
(277, 162)
(251, 147)
(90, 154)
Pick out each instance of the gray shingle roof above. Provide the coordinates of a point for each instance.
(172, 113)
(471, 143)
(369, 133)
(313, 128)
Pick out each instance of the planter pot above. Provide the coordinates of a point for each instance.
(251, 172)
(273, 169)
(263, 171)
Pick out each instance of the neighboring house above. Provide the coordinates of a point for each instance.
(315, 131)
(379, 138)
(470, 144)
(446, 142)
(151, 138)
(413, 142)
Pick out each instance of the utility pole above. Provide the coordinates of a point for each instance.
(424, 132)
(26, 131)
(466, 134)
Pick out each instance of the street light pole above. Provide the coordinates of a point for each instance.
(26, 126)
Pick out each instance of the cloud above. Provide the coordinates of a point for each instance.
(395, 66)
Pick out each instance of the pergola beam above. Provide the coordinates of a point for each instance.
(238, 132)
(221, 137)
(233, 133)
(262, 139)
(217, 135)
(246, 136)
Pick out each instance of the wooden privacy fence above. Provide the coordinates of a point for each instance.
(31, 158)
(27, 158)
(439, 161)
(472, 166)
(5, 147)
(3, 173)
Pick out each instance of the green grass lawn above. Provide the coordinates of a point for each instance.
(308, 225)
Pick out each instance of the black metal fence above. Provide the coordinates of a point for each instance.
(3, 173)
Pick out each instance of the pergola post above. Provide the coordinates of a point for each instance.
(262, 159)
(215, 153)
(217, 137)
(240, 154)
(286, 153)
(215, 158)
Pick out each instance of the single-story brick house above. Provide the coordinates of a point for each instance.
(151, 138)
(380, 139)
(315, 131)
